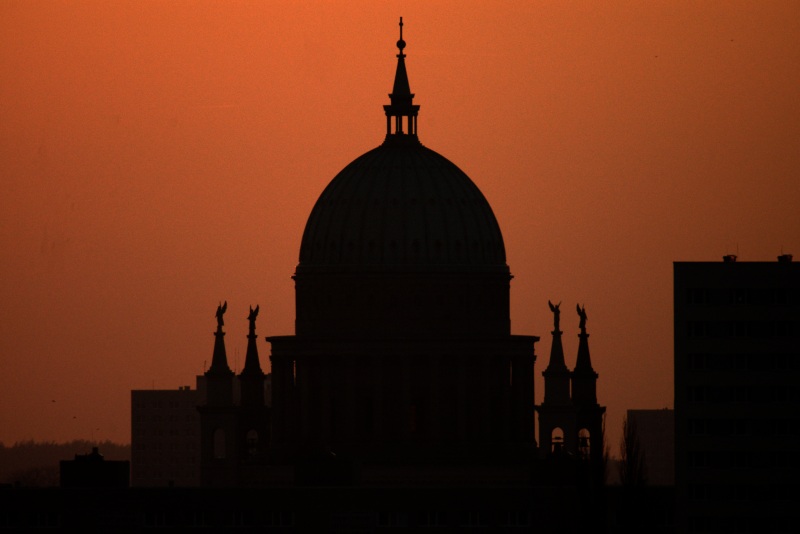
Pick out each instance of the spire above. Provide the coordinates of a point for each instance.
(251, 379)
(401, 92)
(583, 365)
(251, 364)
(557, 363)
(556, 376)
(219, 361)
(584, 378)
(401, 99)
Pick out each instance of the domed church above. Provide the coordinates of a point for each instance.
(403, 356)
(403, 367)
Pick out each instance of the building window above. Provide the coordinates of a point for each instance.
(698, 362)
(392, 519)
(430, 519)
(515, 518)
(699, 459)
(741, 427)
(697, 328)
(475, 519)
(780, 297)
(741, 296)
(696, 296)
(697, 394)
(698, 427)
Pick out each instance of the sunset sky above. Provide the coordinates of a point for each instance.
(158, 157)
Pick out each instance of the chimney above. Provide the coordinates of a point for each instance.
(785, 258)
(730, 258)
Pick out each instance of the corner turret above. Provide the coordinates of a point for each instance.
(251, 379)
(584, 377)
(557, 375)
(219, 360)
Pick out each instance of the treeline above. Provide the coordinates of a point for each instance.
(31, 463)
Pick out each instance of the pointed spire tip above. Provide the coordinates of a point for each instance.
(401, 44)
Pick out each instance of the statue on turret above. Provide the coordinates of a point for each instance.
(556, 315)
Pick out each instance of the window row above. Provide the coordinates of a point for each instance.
(746, 460)
(356, 521)
(189, 404)
(221, 518)
(742, 296)
(770, 492)
(713, 524)
(159, 433)
(190, 446)
(744, 427)
(188, 418)
(745, 394)
(743, 362)
(742, 329)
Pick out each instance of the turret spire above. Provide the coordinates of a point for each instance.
(251, 364)
(401, 99)
(556, 376)
(251, 379)
(584, 377)
(583, 363)
(219, 361)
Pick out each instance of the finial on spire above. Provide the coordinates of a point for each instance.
(219, 360)
(251, 366)
(401, 44)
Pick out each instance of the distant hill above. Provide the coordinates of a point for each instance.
(31, 463)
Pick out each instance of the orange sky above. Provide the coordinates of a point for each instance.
(158, 157)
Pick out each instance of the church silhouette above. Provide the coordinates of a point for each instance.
(403, 369)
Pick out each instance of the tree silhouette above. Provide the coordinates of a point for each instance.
(631, 464)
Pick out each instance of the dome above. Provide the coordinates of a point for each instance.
(402, 206)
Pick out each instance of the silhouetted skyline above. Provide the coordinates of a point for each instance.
(160, 159)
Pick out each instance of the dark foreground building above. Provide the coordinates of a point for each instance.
(165, 444)
(92, 470)
(737, 399)
(287, 510)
